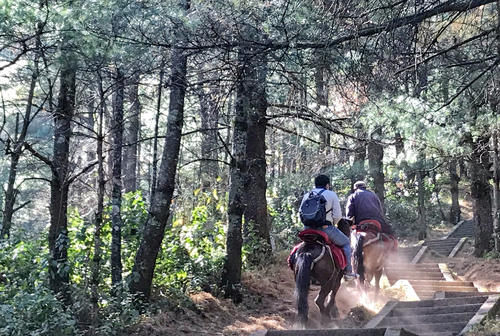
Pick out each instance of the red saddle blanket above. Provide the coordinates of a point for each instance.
(309, 236)
(371, 230)
(372, 237)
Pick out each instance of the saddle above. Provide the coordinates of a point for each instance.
(371, 229)
(311, 236)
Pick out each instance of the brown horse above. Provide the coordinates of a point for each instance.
(370, 253)
(314, 261)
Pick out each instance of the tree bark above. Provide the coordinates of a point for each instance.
(322, 97)
(256, 217)
(59, 186)
(116, 192)
(399, 143)
(495, 105)
(154, 163)
(358, 165)
(481, 194)
(496, 189)
(17, 146)
(376, 165)
(231, 272)
(454, 180)
(101, 185)
(422, 221)
(436, 190)
(209, 113)
(154, 230)
(132, 137)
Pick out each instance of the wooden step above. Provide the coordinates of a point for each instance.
(412, 270)
(426, 319)
(453, 327)
(456, 301)
(439, 283)
(452, 294)
(440, 288)
(466, 308)
(338, 332)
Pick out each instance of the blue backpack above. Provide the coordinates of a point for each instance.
(313, 210)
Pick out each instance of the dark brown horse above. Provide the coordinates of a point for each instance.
(313, 261)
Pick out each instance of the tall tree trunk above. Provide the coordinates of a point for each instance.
(101, 184)
(209, 113)
(422, 220)
(154, 230)
(399, 143)
(358, 166)
(495, 105)
(481, 194)
(322, 97)
(436, 190)
(231, 272)
(154, 163)
(256, 217)
(454, 179)
(376, 165)
(17, 146)
(59, 186)
(132, 136)
(496, 188)
(116, 192)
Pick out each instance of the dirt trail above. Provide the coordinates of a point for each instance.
(269, 303)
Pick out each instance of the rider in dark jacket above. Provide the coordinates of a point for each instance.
(364, 206)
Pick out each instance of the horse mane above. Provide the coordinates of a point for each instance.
(344, 225)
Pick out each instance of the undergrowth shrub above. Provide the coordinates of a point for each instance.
(192, 251)
(27, 305)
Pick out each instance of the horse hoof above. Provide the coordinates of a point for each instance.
(299, 326)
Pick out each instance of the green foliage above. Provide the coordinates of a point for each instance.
(27, 306)
(81, 234)
(117, 313)
(23, 266)
(80, 250)
(492, 254)
(255, 250)
(489, 327)
(134, 215)
(285, 196)
(35, 312)
(192, 251)
(402, 214)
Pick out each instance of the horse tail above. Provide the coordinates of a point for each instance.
(359, 259)
(302, 282)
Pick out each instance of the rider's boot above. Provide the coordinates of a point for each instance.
(349, 275)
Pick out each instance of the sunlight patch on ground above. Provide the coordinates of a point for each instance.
(253, 324)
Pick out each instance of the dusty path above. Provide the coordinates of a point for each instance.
(269, 303)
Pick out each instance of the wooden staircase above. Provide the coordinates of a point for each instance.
(406, 271)
(439, 317)
(338, 332)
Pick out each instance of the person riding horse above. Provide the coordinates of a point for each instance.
(333, 216)
(365, 209)
(373, 240)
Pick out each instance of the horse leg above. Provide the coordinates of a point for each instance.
(368, 278)
(302, 282)
(326, 288)
(331, 308)
(378, 275)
